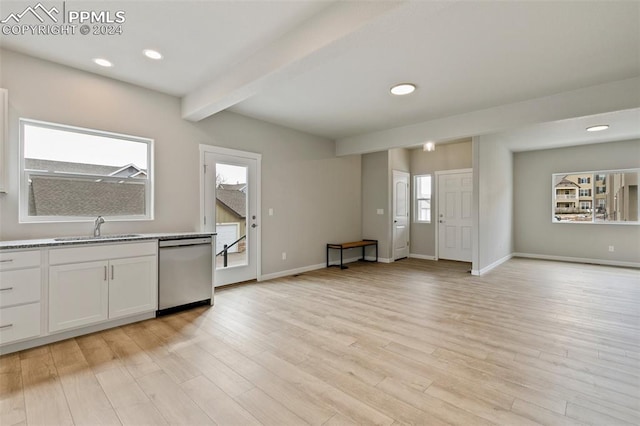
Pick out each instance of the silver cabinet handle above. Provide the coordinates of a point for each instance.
(6, 260)
(112, 275)
(6, 289)
(5, 326)
(105, 273)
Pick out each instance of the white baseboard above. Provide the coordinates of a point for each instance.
(289, 272)
(578, 260)
(422, 256)
(495, 264)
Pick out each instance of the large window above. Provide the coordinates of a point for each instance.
(73, 174)
(609, 196)
(422, 198)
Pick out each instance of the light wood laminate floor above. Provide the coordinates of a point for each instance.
(413, 342)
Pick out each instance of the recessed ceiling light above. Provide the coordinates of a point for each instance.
(403, 89)
(598, 128)
(103, 62)
(152, 54)
(429, 146)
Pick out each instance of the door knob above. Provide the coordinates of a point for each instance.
(253, 225)
(442, 221)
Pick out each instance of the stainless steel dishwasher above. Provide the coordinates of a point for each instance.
(185, 273)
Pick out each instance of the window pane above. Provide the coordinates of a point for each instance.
(617, 197)
(68, 146)
(70, 172)
(422, 199)
(423, 186)
(571, 193)
(231, 215)
(603, 196)
(424, 210)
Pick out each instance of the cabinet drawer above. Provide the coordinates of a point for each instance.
(19, 322)
(93, 252)
(21, 286)
(19, 259)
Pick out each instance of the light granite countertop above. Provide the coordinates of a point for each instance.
(66, 241)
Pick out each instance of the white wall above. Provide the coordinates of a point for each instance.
(534, 232)
(493, 196)
(446, 157)
(316, 196)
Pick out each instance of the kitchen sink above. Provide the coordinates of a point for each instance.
(102, 237)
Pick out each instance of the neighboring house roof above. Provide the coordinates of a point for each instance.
(53, 196)
(233, 186)
(129, 170)
(82, 196)
(235, 200)
(567, 182)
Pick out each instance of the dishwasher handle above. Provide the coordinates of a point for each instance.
(185, 242)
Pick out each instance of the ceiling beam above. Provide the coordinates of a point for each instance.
(310, 43)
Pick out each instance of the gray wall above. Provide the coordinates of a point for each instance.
(534, 233)
(493, 191)
(315, 196)
(446, 157)
(399, 159)
(375, 195)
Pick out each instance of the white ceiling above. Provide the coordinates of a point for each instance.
(326, 67)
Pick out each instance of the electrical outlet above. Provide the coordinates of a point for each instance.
(284, 255)
(612, 249)
(270, 212)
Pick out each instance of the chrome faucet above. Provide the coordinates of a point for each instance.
(96, 229)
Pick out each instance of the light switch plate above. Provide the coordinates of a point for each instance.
(380, 211)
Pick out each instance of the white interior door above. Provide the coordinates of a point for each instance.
(231, 206)
(400, 214)
(455, 224)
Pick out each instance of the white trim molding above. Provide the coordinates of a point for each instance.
(422, 256)
(494, 265)
(578, 260)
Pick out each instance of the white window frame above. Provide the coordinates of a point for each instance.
(24, 181)
(416, 215)
(594, 192)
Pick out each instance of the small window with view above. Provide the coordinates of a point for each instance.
(422, 198)
(74, 174)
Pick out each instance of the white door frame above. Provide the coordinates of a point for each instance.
(436, 195)
(210, 149)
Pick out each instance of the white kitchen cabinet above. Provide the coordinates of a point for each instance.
(90, 285)
(78, 295)
(20, 291)
(133, 286)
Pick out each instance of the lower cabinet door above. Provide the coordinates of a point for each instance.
(133, 286)
(78, 295)
(19, 322)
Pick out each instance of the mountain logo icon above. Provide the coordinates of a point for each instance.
(39, 11)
